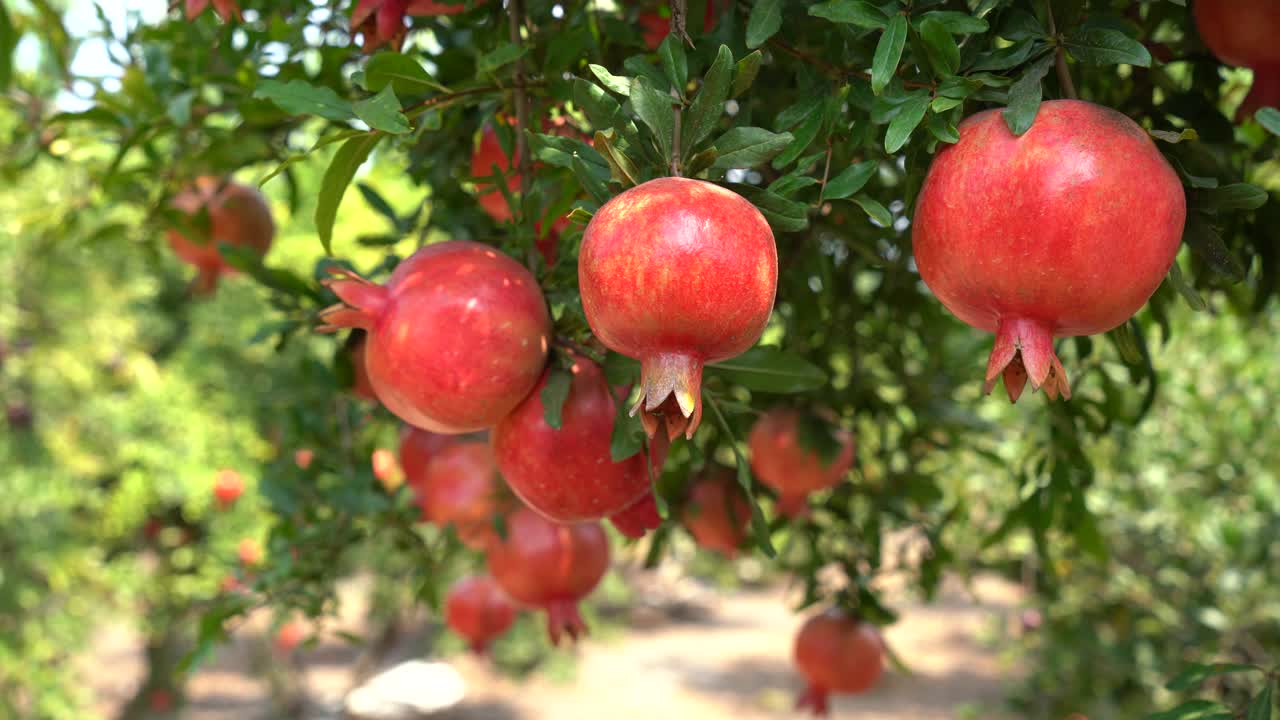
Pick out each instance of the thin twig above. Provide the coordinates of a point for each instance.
(832, 70)
(450, 97)
(679, 14)
(1060, 56)
(826, 170)
(515, 20)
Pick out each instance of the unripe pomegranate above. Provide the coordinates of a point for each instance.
(456, 338)
(478, 610)
(677, 273)
(1243, 33)
(783, 463)
(716, 512)
(360, 385)
(228, 486)
(462, 487)
(249, 552)
(238, 215)
(1066, 230)
(836, 653)
(542, 564)
(386, 469)
(567, 475)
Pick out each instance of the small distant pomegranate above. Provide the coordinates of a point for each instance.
(783, 463)
(677, 273)
(717, 513)
(1075, 225)
(456, 338)
(228, 10)
(228, 486)
(386, 469)
(302, 457)
(249, 552)
(656, 27)
(478, 610)
(542, 564)
(289, 637)
(1243, 33)
(238, 215)
(836, 654)
(462, 488)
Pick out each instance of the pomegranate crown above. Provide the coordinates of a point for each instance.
(362, 302)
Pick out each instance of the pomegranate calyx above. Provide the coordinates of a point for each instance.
(637, 518)
(813, 699)
(563, 618)
(362, 302)
(1024, 351)
(670, 394)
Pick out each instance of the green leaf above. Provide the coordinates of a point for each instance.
(654, 109)
(674, 63)
(297, 97)
(337, 177)
(590, 180)
(906, 121)
(888, 53)
(771, 370)
(179, 108)
(942, 129)
(401, 72)
(1126, 343)
(1237, 196)
(850, 180)
(1203, 238)
(1188, 293)
(708, 105)
(1025, 96)
(790, 183)
(1006, 58)
(744, 147)
(1104, 46)
(377, 202)
(1269, 118)
(957, 23)
(944, 54)
(619, 84)
(745, 74)
(1260, 708)
(1189, 710)
(1174, 138)
(851, 12)
(1193, 675)
(627, 438)
(759, 527)
(803, 137)
(504, 54)
(382, 112)
(602, 111)
(621, 169)
(8, 41)
(765, 20)
(554, 395)
(874, 210)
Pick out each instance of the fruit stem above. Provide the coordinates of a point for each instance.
(1060, 57)
(1024, 350)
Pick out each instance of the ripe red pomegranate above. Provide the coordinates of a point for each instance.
(656, 27)
(381, 22)
(478, 610)
(639, 517)
(836, 653)
(289, 636)
(249, 552)
(238, 215)
(456, 338)
(360, 385)
(793, 470)
(302, 457)
(716, 512)
(542, 564)
(417, 448)
(488, 153)
(462, 487)
(228, 486)
(1243, 33)
(228, 10)
(677, 273)
(1066, 230)
(567, 475)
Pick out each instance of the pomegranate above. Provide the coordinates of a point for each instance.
(542, 564)
(677, 273)
(228, 9)
(656, 27)
(360, 385)
(462, 487)
(793, 470)
(836, 653)
(640, 516)
(1243, 33)
(716, 512)
(417, 448)
(249, 552)
(456, 338)
(302, 457)
(381, 22)
(289, 636)
(478, 610)
(228, 486)
(238, 215)
(386, 469)
(567, 475)
(160, 701)
(1066, 230)
(487, 155)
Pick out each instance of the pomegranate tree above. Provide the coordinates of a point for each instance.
(836, 653)
(478, 610)
(456, 338)
(461, 487)
(237, 215)
(717, 513)
(1243, 33)
(782, 462)
(551, 566)
(677, 273)
(1066, 230)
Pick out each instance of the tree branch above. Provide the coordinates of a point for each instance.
(515, 20)
(1060, 56)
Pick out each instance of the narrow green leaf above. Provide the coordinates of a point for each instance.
(708, 105)
(1189, 710)
(674, 63)
(602, 110)
(298, 97)
(1104, 46)
(382, 112)
(771, 370)
(1260, 708)
(906, 121)
(8, 40)
(402, 72)
(745, 74)
(1126, 343)
(803, 138)
(944, 54)
(744, 147)
(1237, 196)
(1025, 96)
(1203, 238)
(1179, 282)
(1006, 58)
(759, 527)
(874, 210)
(627, 438)
(621, 169)
(888, 53)
(942, 129)
(765, 20)
(783, 215)
(554, 395)
(1174, 138)
(851, 12)
(590, 180)
(654, 109)
(1269, 118)
(504, 54)
(1193, 675)
(850, 180)
(337, 177)
(957, 23)
(377, 202)
(619, 84)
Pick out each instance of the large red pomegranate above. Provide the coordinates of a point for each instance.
(544, 564)
(836, 653)
(456, 338)
(478, 610)
(381, 22)
(793, 470)
(716, 512)
(1243, 33)
(1066, 230)
(462, 487)
(228, 486)
(238, 215)
(677, 273)
(567, 474)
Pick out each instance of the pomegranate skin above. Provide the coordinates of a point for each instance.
(567, 475)
(417, 448)
(488, 154)
(784, 464)
(550, 566)
(478, 610)
(836, 653)
(456, 338)
(238, 216)
(716, 512)
(677, 273)
(462, 487)
(1243, 33)
(1066, 230)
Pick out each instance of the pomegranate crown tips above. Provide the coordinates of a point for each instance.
(677, 273)
(1077, 224)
